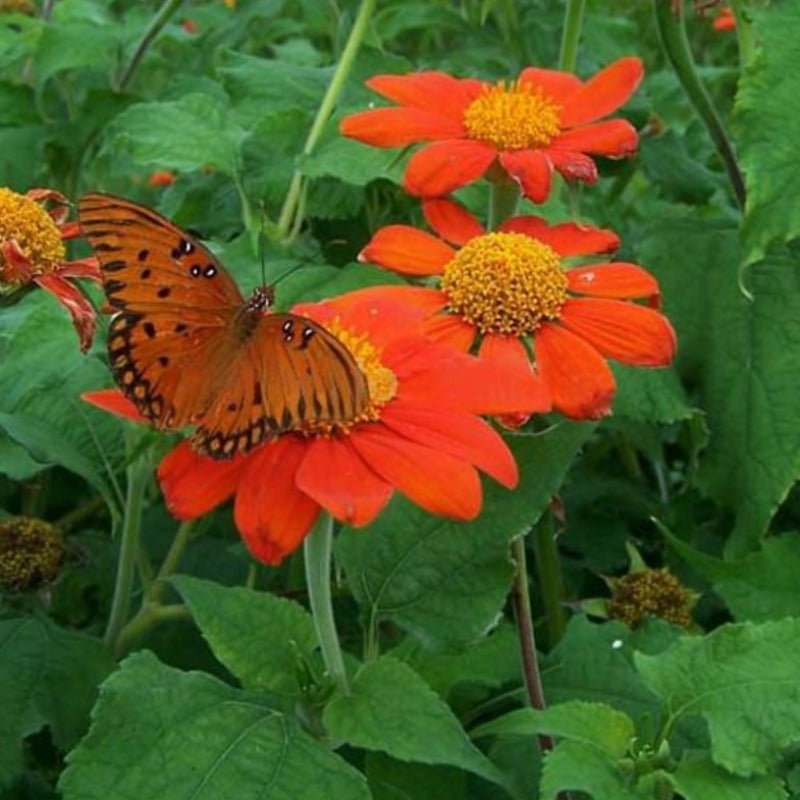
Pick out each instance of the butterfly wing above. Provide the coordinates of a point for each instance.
(175, 305)
(292, 375)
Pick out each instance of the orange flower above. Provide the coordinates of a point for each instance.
(425, 440)
(512, 290)
(544, 120)
(161, 177)
(32, 252)
(725, 20)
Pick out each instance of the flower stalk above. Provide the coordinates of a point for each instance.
(672, 34)
(287, 221)
(317, 550)
(550, 579)
(570, 36)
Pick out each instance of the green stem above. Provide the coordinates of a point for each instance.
(527, 638)
(744, 33)
(573, 19)
(676, 46)
(85, 510)
(161, 18)
(147, 618)
(286, 220)
(155, 593)
(503, 200)
(551, 582)
(138, 474)
(317, 551)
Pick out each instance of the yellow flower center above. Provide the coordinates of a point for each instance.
(505, 283)
(514, 117)
(34, 231)
(381, 381)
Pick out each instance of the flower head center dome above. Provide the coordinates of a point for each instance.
(516, 116)
(381, 381)
(31, 227)
(505, 283)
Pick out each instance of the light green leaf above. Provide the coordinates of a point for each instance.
(699, 778)
(745, 682)
(445, 581)
(758, 587)
(48, 676)
(767, 129)
(594, 725)
(745, 357)
(574, 766)
(650, 395)
(162, 733)
(392, 710)
(257, 636)
(183, 135)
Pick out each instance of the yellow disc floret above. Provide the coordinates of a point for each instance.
(514, 117)
(505, 283)
(650, 592)
(31, 552)
(31, 227)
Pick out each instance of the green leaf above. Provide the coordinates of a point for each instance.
(608, 676)
(698, 778)
(159, 732)
(650, 395)
(183, 135)
(594, 725)
(575, 766)
(48, 676)
(392, 710)
(745, 682)
(767, 130)
(759, 587)
(745, 357)
(257, 636)
(446, 581)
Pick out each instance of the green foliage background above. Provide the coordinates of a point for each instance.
(220, 691)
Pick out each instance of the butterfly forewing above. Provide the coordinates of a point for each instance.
(186, 348)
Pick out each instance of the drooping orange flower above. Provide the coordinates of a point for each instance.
(32, 251)
(544, 120)
(513, 291)
(161, 177)
(425, 439)
(725, 20)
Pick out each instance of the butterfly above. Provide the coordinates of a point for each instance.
(187, 348)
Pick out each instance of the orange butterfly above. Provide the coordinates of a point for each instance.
(188, 349)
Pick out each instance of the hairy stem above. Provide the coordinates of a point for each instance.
(160, 19)
(287, 221)
(672, 33)
(317, 551)
(570, 36)
(504, 197)
(551, 582)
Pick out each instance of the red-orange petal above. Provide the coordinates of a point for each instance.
(532, 170)
(82, 268)
(460, 434)
(398, 127)
(442, 167)
(428, 90)
(335, 476)
(194, 484)
(79, 308)
(604, 93)
(271, 512)
(113, 401)
(580, 382)
(555, 84)
(450, 329)
(572, 165)
(623, 331)
(408, 250)
(567, 238)
(615, 138)
(451, 220)
(617, 279)
(434, 480)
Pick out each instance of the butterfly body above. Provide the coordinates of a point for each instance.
(188, 349)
